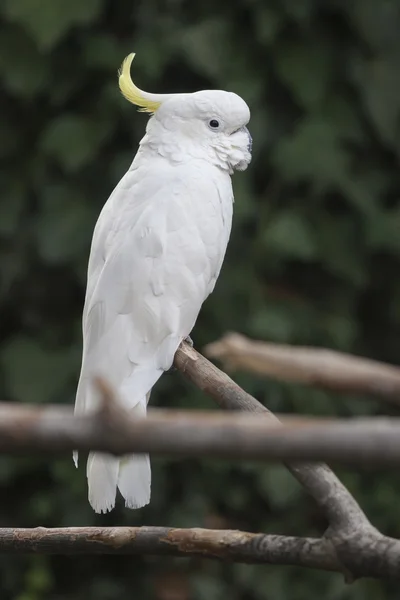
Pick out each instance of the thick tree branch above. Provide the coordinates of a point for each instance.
(238, 546)
(365, 441)
(376, 559)
(313, 366)
(339, 506)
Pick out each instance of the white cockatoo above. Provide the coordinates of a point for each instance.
(156, 253)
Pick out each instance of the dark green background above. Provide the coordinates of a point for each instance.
(314, 256)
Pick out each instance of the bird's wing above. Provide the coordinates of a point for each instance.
(157, 249)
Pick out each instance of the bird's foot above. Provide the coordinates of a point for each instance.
(189, 340)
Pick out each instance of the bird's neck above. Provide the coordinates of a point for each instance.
(183, 150)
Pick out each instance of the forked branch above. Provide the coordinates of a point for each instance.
(350, 544)
(349, 531)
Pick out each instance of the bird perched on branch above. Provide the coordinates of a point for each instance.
(156, 253)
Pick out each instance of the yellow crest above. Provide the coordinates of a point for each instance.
(132, 93)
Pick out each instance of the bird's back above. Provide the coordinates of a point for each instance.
(157, 251)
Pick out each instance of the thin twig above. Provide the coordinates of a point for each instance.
(313, 366)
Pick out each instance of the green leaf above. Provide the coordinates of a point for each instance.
(10, 135)
(49, 20)
(23, 70)
(206, 587)
(267, 23)
(340, 250)
(279, 487)
(38, 578)
(312, 152)
(272, 322)
(344, 117)
(74, 140)
(341, 330)
(379, 81)
(208, 46)
(12, 204)
(33, 374)
(300, 11)
(103, 52)
(64, 226)
(376, 22)
(306, 69)
(383, 232)
(289, 234)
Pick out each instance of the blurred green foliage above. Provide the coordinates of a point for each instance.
(314, 256)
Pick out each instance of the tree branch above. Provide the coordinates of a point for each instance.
(349, 530)
(339, 506)
(366, 441)
(376, 560)
(313, 366)
(231, 545)
(350, 544)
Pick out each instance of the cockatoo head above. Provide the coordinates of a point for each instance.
(209, 125)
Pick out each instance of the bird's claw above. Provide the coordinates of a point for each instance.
(189, 341)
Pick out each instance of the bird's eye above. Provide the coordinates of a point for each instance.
(214, 124)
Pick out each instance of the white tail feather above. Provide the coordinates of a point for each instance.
(102, 474)
(132, 475)
(134, 480)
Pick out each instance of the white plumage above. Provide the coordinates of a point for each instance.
(157, 250)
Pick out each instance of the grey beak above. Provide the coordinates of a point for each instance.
(250, 145)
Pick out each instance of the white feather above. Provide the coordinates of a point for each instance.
(157, 250)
